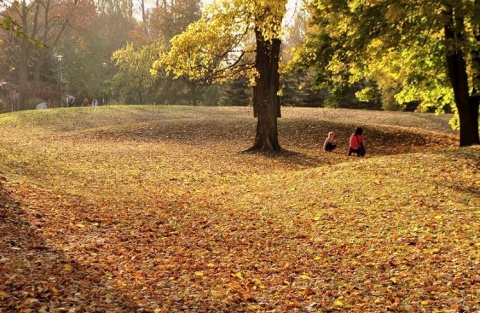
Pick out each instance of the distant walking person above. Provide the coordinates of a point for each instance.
(70, 100)
(357, 143)
(85, 102)
(330, 143)
(94, 102)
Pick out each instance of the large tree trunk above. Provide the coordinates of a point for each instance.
(475, 96)
(457, 72)
(265, 94)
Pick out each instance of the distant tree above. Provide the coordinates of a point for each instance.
(235, 92)
(119, 8)
(171, 17)
(217, 48)
(134, 79)
(298, 89)
(133, 61)
(41, 21)
(87, 49)
(420, 45)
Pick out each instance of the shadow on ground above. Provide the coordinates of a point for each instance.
(36, 278)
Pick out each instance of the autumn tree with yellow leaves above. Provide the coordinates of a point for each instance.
(233, 39)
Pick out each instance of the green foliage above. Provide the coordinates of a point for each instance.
(5, 22)
(297, 90)
(331, 103)
(368, 94)
(395, 44)
(212, 95)
(235, 92)
(134, 79)
(134, 62)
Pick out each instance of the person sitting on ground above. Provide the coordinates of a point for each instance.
(330, 143)
(70, 100)
(357, 143)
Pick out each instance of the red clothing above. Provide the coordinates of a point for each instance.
(355, 141)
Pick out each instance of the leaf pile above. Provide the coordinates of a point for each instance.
(155, 209)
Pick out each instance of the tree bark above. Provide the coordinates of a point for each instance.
(457, 73)
(193, 94)
(265, 94)
(475, 96)
(23, 80)
(140, 95)
(24, 54)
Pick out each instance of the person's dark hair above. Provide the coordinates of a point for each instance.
(358, 131)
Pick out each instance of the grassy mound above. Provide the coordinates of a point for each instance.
(155, 209)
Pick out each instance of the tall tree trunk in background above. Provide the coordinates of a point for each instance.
(142, 8)
(23, 93)
(265, 95)
(193, 94)
(140, 95)
(43, 27)
(24, 56)
(457, 72)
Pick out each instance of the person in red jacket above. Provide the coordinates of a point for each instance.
(357, 143)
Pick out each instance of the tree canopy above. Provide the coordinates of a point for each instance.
(233, 39)
(216, 48)
(412, 50)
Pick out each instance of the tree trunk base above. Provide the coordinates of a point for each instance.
(265, 146)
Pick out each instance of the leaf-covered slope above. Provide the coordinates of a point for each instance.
(135, 209)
